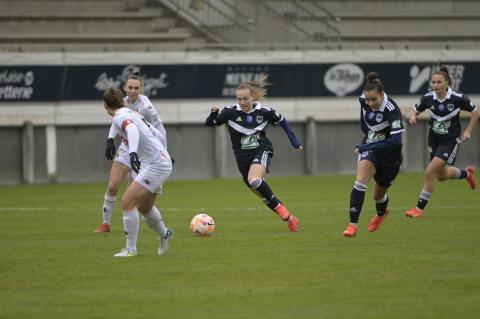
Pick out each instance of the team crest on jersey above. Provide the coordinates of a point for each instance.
(371, 115)
(259, 119)
(379, 118)
(441, 107)
(249, 119)
(450, 107)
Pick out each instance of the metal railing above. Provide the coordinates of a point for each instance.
(218, 19)
(307, 17)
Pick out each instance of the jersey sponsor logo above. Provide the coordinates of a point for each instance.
(441, 107)
(450, 107)
(374, 137)
(371, 115)
(396, 124)
(440, 127)
(342, 79)
(249, 119)
(379, 118)
(239, 119)
(259, 119)
(249, 142)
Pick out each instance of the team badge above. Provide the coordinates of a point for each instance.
(450, 107)
(259, 119)
(441, 107)
(249, 119)
(371, 115)
(379, 118)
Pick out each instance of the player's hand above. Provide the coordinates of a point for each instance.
(110, 149)
(466, 136)
(356, 151)
(299, 148)
(413, 119)
(135, 162)
(215, 110)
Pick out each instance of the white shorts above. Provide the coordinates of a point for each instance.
(122, 155)
(153, 175)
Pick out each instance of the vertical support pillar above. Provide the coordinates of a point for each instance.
(28, 159)
(311, 160)
(51, 135)
(220, 150)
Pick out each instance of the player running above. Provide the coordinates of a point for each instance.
(379, 154)
(247, 121)
(444, 135)
(121, 160)
(151, 162)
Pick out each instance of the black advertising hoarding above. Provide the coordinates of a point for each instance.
(191, 81)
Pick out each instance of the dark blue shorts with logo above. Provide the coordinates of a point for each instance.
(262, 156)
(387, 165)
(446, 149)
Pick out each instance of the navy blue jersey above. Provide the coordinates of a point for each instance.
(380, 127)
(445, 114)
(247, 130)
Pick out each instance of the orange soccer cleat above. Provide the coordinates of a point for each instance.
(414, 212)
(376, 221)
(471, 177)
(293, 224)
(351, 231)
(103, 228)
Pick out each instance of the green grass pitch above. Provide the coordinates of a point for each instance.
(52, 265)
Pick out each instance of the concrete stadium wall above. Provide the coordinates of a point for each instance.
(80, 152)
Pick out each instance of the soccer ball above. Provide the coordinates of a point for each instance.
(202, 225)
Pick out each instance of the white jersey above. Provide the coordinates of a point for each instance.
(145, 108)
(150, 149)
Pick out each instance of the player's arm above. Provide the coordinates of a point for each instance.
(291, 136)
(468, 106)
(216, 117)
(133, 136)
(418, 108)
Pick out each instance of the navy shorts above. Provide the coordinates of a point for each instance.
(262, 157)
(386, 171)
(447, 151)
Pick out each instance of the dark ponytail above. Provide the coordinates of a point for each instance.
(373, 83)
(444, 72)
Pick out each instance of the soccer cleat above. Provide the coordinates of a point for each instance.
(103, 228)
(471, 177)
(293, 224)
(126, 253)
(351, 231)
(163, 245)
(376, 221)
(282, 211)
(414, 212)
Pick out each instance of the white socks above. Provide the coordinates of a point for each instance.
(154, 221)
(108, 207)
(131, 222)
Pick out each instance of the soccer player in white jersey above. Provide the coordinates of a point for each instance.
(121, 161)
(151, 162)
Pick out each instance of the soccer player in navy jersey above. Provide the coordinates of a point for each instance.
(379, 154)
(247, 121)
(444, 135)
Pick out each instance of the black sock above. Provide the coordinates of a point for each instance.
(381, 206)
(463, 174)
(423, 199)
(356, 201)
(264, 189)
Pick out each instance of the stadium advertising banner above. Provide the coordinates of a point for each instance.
(191, 81)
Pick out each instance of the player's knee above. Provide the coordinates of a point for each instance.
(127, 205)
(430, 175)
(255, 182)
(360, 186)
(112, 189)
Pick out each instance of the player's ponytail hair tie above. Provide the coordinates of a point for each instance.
(257, 87)
(373, 83)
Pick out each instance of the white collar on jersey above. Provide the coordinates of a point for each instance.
(447, 96)
(384, 103)
(256, 106)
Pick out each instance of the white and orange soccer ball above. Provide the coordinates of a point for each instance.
(202, 225)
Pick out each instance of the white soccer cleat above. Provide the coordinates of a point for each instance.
(126, 253)
(163, 245)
